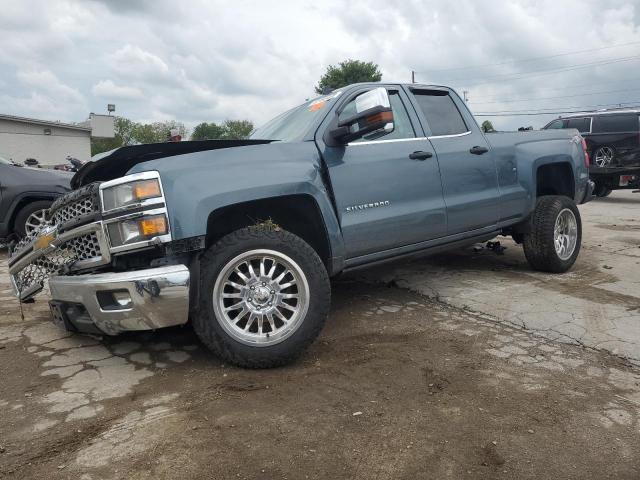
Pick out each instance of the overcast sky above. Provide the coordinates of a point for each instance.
(212, 60)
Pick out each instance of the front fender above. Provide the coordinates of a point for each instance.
(197, 184)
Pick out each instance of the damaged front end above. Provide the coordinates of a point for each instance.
(102, 252)
(72, 240)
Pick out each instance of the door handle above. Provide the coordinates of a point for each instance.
(478, 150)
(420, 155)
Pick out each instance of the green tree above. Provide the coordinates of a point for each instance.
(207, 131)
(228, 130)
(348, 72)
(487, 127)
(237, 129)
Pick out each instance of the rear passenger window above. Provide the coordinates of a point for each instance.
(615, 123)
(441, 112)
(582, 124)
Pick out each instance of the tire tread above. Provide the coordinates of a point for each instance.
(225, 346)
(539, 248)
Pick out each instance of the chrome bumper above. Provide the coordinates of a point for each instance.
(117, 302)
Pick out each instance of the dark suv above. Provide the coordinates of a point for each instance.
(25, 195)
(613, 142)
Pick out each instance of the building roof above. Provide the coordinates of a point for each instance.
(46, 123)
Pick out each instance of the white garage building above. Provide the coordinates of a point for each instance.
(50, 142)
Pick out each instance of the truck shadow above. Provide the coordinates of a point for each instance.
(618, 200)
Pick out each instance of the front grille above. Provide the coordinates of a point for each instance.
(72, 211)
(83, 248)
(76, 207)
(24, 242)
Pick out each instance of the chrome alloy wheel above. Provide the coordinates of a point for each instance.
(604, 156)
(565, 234)
(261, 297)
(35, 221)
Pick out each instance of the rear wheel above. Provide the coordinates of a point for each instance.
(31, 217)
(555, 234)
(264, 297)
(602, 191)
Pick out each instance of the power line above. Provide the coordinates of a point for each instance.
(585, 109)
(551, 71)
(532, 59)
(574, 87)
(582, 107)
(556, 98)
(530, 114)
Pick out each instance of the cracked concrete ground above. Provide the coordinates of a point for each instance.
(397, 386)
(596, 304)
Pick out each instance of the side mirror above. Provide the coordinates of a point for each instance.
(373, 117)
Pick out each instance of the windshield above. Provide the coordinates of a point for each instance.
(4, 161)
(293, 125)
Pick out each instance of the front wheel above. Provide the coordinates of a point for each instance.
(264, 297)
(555, 234)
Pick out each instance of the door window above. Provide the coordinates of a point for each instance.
(401, 123)
(614, 123)
(441, 112)
(582, 124)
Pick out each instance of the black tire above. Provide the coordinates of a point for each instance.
(19, 225)
(602, 191)
(214, 260)
(539, 247)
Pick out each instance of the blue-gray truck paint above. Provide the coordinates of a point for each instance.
(420, 204)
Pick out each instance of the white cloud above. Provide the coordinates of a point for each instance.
(133, 61)
(208, 60)
(46, 82)
(109, 90)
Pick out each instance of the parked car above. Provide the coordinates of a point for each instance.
(613, 140)
(243, 235)
(25, 195)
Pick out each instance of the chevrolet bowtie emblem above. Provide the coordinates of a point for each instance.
(44, 240)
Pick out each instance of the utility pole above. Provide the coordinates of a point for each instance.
(413, 76)
(465, 95)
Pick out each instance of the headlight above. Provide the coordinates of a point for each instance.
(130, 193)
(137, 229)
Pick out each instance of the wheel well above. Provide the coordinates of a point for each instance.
(555, 179)
(23, 202)
(298, 214)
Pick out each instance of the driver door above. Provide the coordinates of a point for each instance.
(387, 189)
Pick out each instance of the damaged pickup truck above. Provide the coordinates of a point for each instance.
(243, 236)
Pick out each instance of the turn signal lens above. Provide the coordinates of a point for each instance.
(380, 117)
(136, 230)
(129, 194)
(153, 225)
(146, 189)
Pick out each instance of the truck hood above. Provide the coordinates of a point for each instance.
(116, 163)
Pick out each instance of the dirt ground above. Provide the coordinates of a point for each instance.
(595, 304)
(399, 385)
(396, 387)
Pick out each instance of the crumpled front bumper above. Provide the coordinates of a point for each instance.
(111, 303)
